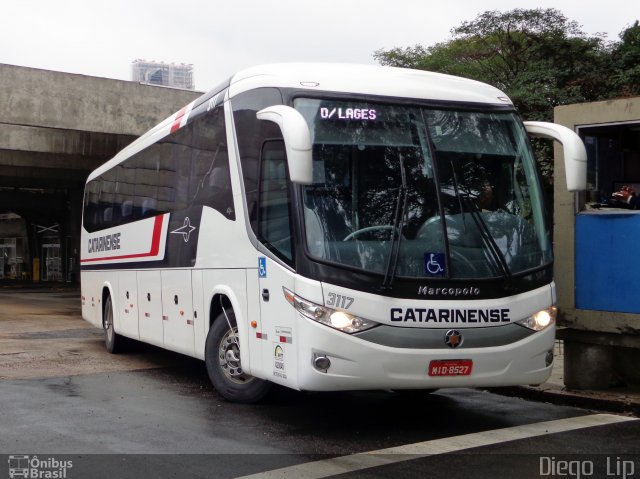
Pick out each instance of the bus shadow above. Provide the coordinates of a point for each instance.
(377, 418)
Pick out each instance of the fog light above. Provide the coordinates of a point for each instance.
(321, 363)
(549, 358)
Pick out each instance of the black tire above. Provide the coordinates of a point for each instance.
(112, 340)
(222, 357)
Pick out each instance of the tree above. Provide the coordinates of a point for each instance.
(538, 57)
(626, 62)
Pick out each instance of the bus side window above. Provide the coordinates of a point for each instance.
(92, 219)
(107, 196)
(146, 164)
(274, 222)
(148, 208)
(210, 183)
(107, 215)
(251, 134)
(123, 199)
(182, 159)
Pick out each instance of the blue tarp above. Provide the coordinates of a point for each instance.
(608, 262)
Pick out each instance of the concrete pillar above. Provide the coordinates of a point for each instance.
(588, 366)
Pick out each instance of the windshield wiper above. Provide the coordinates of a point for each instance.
(396, 232)
(494, 249)
(456, 190)
(498, 258)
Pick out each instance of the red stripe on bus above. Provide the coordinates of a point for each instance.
(155, 245)
(176, 122)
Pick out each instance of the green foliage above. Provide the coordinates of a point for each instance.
(626, 62)
(538, 57)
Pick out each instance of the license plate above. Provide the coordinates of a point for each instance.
(450, 367)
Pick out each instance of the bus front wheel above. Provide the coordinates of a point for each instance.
(222, 357)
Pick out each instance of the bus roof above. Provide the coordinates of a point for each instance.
(347, 78)
(367, 80)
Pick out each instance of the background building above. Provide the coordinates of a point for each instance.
(55, 128)
(165, 74)
(596, 241)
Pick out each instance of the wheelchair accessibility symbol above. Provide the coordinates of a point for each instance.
(434, 264)
(262, 267)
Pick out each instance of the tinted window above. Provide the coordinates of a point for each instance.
(187, 168)
(274, 221)
(210, 182)
(251, 134)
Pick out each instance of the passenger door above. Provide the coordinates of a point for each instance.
(278, 329)
(275, 232)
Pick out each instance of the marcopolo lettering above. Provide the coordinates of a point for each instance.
(426, 315)
(104, 243)
(429, 291)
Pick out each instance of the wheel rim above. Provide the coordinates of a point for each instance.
(229, 358)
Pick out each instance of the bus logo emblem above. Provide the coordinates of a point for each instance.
(453, 338)
(185, 230)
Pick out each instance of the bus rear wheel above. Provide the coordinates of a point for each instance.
(112, 340)
(224, 366)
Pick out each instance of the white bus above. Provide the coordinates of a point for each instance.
(331, 227)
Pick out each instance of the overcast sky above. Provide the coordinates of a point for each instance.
(219, 38)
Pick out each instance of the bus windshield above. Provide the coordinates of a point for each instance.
(420, 192)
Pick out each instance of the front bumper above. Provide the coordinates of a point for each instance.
(357, 364)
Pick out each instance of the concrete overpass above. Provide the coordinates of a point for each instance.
(54, 129)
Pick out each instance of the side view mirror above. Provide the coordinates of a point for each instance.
(297, 140)
(575, 154)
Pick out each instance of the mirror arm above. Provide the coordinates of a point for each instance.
(575, 154)
(297, 140)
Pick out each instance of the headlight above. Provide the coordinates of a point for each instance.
(340, 320)
(541, 319)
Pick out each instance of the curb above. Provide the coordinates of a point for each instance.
(596, 400)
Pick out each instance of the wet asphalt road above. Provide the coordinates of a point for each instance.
(174, 411)
(165, 420)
